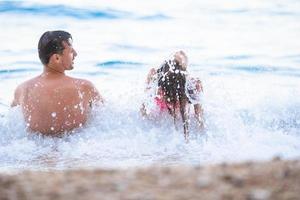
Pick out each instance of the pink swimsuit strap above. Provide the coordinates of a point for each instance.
(160, 102)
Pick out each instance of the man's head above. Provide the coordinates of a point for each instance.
(56, 46)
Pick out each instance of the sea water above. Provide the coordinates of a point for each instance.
(246, 54)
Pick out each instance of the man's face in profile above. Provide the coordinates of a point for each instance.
(68, 55)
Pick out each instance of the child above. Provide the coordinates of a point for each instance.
(173, 91)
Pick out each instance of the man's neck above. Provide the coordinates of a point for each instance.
(52, 70)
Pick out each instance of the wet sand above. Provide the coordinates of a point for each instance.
(272, 180)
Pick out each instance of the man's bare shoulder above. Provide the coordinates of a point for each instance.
(89, 88)
(85, 85)
(27, 83)
(82, 83)
(19, 91)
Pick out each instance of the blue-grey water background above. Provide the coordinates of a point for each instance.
(247, 54)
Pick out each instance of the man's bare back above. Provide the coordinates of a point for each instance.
(54, 103)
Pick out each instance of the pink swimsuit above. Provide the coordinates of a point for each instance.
(160, 102)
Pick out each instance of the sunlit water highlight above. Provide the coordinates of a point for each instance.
(247, 56)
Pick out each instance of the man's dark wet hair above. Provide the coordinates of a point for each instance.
(51, 42)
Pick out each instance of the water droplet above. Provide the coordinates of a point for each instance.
(53, 114)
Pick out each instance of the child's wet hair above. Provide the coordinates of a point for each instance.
(172, 79)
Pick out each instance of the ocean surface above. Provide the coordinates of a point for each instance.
(246, 53)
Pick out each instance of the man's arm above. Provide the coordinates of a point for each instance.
(93, 94)
(17, 95)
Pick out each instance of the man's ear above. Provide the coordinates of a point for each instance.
(55, 58)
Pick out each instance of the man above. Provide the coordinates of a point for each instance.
(54, 103)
